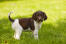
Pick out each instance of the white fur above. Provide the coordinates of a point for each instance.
(40, 24)
(37, 27)
(17, 28)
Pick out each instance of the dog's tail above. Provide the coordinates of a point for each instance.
(10, 17)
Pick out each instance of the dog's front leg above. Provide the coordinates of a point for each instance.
(36, 34)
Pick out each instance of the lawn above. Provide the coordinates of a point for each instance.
(53, 30)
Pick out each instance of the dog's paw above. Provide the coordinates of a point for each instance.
(36, 38)
(17, 37)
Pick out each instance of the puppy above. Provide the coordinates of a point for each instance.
(34, 23)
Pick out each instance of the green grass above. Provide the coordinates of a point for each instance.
(53, 30)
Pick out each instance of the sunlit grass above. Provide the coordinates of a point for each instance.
(53, 30)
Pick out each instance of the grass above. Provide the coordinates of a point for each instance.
(53, 30)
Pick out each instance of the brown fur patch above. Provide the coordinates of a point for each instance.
(27, 23)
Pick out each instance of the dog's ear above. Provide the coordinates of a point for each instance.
(45, 16)
(34, 16)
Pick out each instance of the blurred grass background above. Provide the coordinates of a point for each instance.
(53, 30)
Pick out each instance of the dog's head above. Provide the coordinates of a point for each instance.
(39, 16)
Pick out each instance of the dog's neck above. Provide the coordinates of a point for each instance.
(37, 25)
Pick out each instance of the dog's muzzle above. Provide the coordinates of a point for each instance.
(39, 19)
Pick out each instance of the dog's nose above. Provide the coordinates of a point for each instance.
(39, 18)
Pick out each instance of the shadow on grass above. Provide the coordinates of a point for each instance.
(48, 33)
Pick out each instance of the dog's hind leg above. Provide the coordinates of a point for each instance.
(17, 34)
(17, 28)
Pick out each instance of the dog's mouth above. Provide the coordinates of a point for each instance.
(39, 21)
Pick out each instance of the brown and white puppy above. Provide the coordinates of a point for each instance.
(34, 23)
